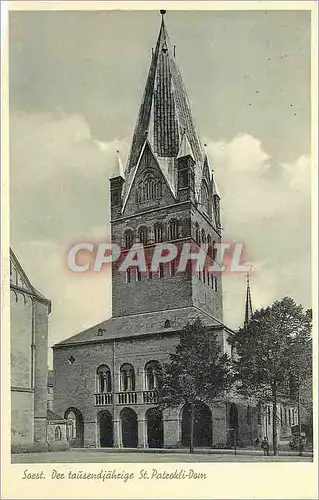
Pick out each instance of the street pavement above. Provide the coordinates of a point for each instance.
(108, 456)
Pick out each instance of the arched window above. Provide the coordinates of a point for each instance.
(173, 230)
(153, 375)
(158, 232)
(128, 238)
(72, 431)
(214, 250)
(203, 236)
(57, 433)
(104, 379)
(127, 378)
(205, 197)
(209, 244)
(150, 188)
(197, 237)
(143, 235)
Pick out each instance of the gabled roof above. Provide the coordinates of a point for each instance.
(21, 280)
(165, 117)
(51, 417)
(140, 324)
(134, 173)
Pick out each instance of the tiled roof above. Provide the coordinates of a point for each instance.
(141, 324)
(164, 117)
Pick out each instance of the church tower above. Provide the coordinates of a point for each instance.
(108, 376)
(167, 193)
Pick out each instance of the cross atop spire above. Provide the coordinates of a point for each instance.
(163, 12)
(248, 304)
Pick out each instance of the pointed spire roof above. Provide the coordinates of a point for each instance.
(248, 304)
(165, 115)
(118, 170)
(185, 148)
(215, 187)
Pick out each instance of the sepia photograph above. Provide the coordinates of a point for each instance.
(161, 279)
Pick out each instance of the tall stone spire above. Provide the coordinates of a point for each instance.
(248, 304)
(165, 120)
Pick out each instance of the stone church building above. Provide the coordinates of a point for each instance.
(29, 354)
(107, 378)
(34, 426)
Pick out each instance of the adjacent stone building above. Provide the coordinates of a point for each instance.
(29, 351)
(106, 378)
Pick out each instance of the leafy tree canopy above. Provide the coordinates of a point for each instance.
(197, 372)
(273, 348)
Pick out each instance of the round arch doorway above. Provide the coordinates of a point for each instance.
(155, 433)
(76, 435)
(202, 425)
(106, 429)
(129, 428)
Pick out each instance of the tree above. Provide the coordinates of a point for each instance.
(197, 372)
(263, 350)
(301, 370)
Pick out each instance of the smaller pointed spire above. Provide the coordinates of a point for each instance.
(248, 304)
(214, 184)
(118, 170)
(185, 148)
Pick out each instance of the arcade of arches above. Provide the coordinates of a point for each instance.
(129, 431)
(134, 426)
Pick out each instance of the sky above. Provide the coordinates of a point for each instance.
(76, 82)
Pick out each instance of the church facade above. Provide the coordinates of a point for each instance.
(107, 378)
(29, 352)
(34, 426)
